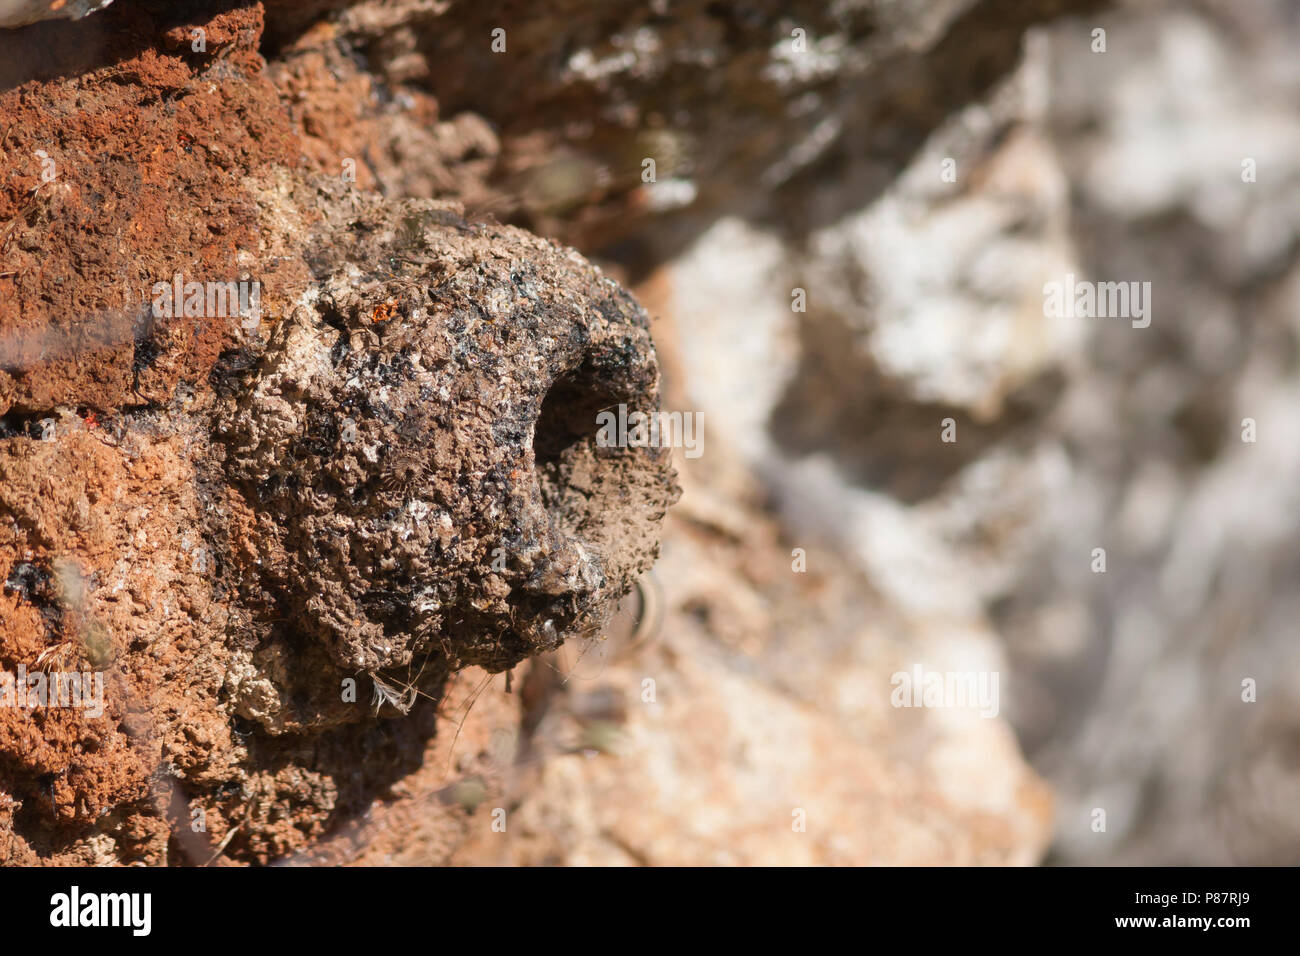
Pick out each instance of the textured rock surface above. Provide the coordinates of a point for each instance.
(386, 475)
(757, 105)
(382, 447)
(236, 519)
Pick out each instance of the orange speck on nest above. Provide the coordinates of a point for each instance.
(383, 312)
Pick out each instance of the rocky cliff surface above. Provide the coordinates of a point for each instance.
(365, 585)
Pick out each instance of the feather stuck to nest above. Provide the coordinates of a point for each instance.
(385, 693)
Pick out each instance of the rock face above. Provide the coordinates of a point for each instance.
(404, 481)
(375, 463)
(755, 106)
(303, 539)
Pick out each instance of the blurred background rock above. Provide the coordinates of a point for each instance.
(1125, 688)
